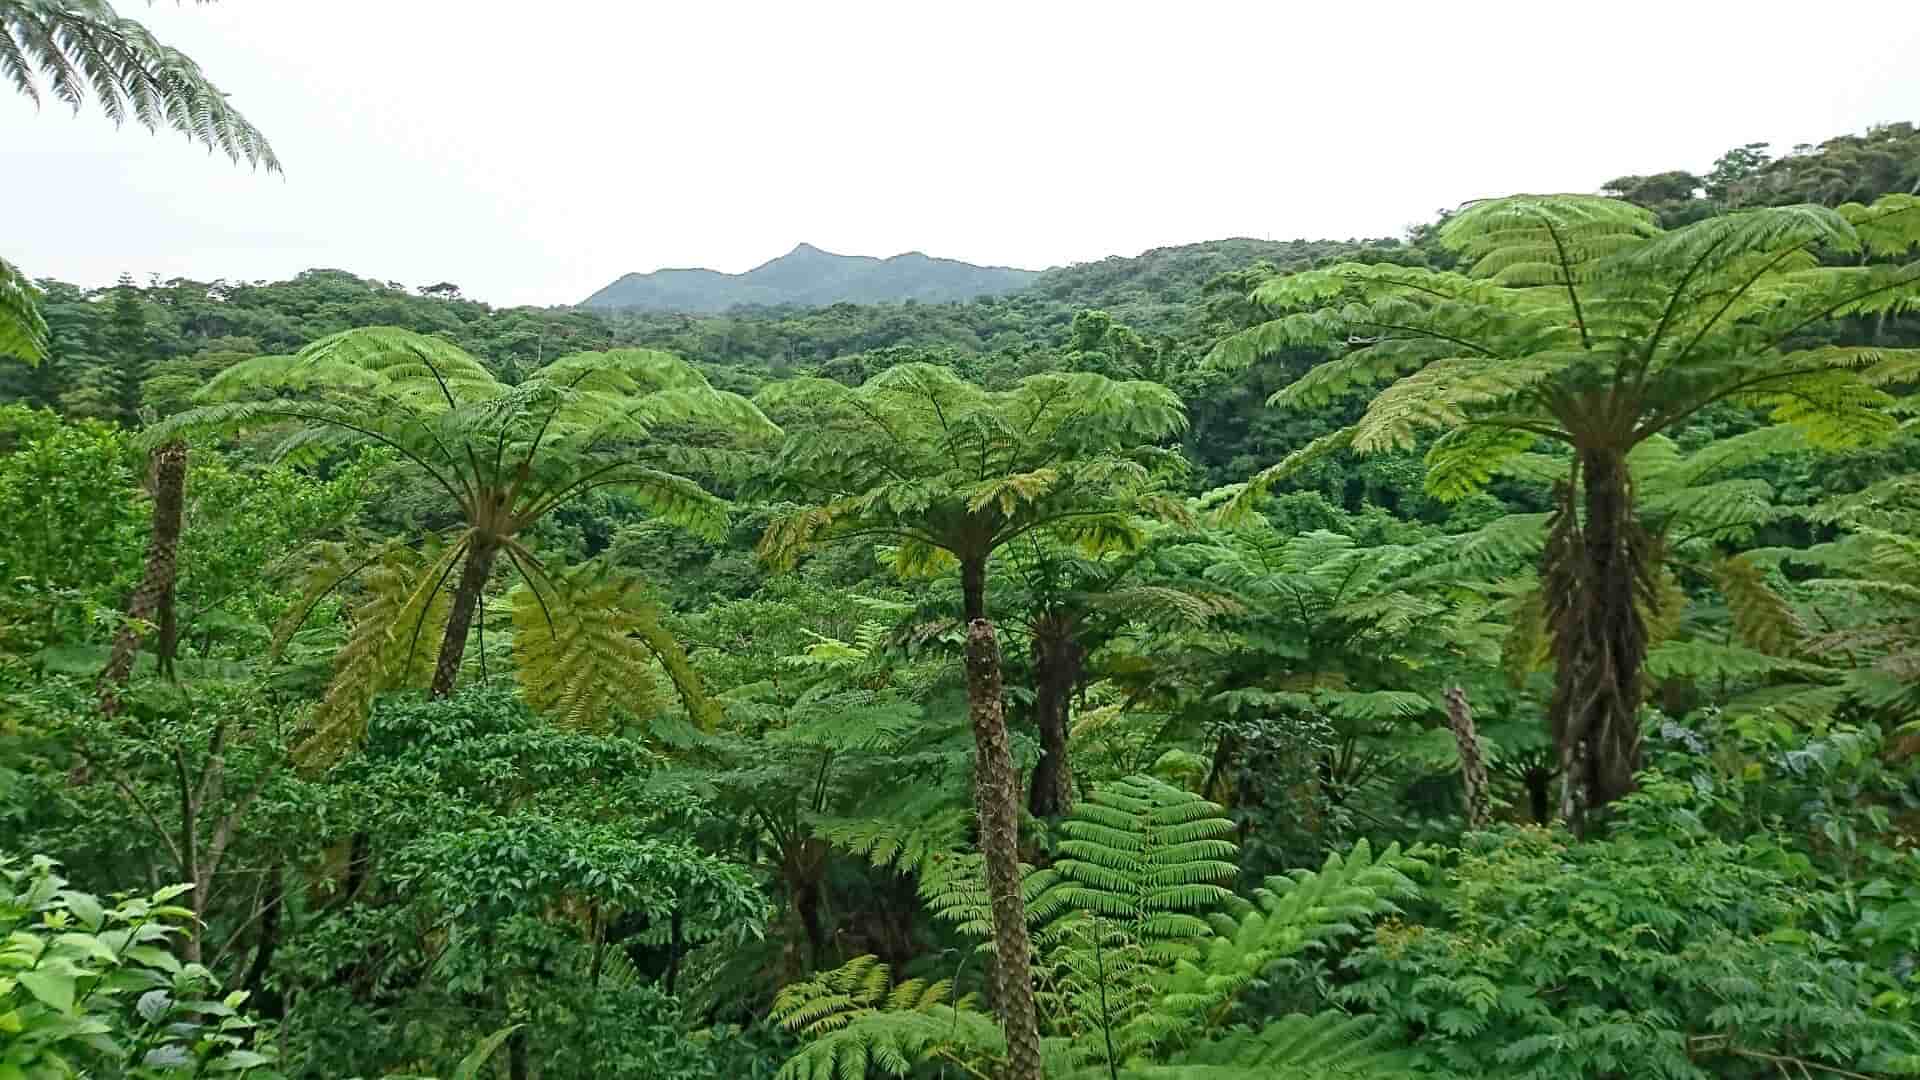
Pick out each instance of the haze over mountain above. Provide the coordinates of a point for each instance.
(811, 277)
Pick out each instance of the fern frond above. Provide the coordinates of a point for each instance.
(78, 49)
(23, 333)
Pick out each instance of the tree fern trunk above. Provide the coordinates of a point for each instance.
(1473, 768)
(996, 793)
(152, 600)
(466, 600)
(1598, 575)
(973, 588)
(1057, 660)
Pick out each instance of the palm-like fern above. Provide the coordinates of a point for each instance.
(77, 48)
(949, 473)
(504, 456)
(1580, 322)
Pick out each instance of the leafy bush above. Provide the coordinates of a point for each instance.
(91, 990)
(1625, 957)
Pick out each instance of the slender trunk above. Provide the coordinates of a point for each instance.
(267, 1004)
(996, 794)
(466, 600)
(1473, 768)
(973, 588)
(676, 937)
(152, 600)
(806, 904)
(1057, 660)
(1598, 572)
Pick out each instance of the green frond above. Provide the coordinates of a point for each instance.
(857, 1023)
(1331, 1046)
(80, 49)
(578, 649)
(397, 619)
(1710, 660)
(1762, 618)
(1236, 504)
(23, 333)
(1286, 918)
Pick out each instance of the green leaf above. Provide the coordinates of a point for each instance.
(470, 1066)
(54, 988)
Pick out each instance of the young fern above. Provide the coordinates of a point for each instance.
(858, 1022)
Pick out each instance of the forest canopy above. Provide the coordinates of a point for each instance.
(1492, 652)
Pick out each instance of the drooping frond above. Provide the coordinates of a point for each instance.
(1762, 618)
(397, 619)
(23, 333)
(578, 647)
(1578, 321)
(73, 49)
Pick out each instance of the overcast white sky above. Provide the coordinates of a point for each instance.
(531, 152)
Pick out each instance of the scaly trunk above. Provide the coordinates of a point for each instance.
(1057, 660)
(996, 795)
(466, 600)
(152, 601)
(1598, 573)
(1473, 768)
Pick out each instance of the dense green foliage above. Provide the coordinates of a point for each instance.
(557, 693)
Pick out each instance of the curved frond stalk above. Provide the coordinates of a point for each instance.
(73, 50)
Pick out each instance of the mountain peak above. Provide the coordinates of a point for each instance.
(811, 277)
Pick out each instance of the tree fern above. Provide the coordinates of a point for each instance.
(1577, 321)
(504, 456)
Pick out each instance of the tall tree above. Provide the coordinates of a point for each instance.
(504, 456)
(948, 473)
(1579, 321)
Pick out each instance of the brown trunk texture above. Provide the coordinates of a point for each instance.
(466, 600)
(996, 793)
(1473, 768)
(1057, 661)
(1598, 574)
(152, 600)
(973, 588)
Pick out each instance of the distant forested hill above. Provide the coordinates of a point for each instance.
(808, 276)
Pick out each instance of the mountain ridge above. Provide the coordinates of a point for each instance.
(810, 276)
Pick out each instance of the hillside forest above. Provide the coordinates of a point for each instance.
(1491, 652)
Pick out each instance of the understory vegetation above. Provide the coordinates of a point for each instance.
(1492, 653)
